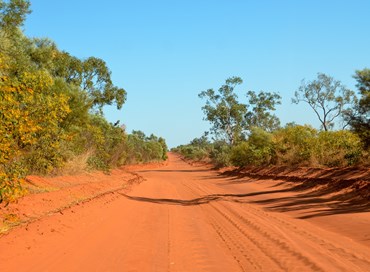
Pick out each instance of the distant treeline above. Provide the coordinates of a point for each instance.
(51, 109)
(244, 134)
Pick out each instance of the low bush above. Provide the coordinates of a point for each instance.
(257, 150)
(220, 154)
(139, 148)
(337, 148)
(293, 145)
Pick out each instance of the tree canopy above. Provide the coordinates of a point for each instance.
(51, 109)
(328, 98)
(359, 118)
(231, 119)
(224, 112)
(260, 114)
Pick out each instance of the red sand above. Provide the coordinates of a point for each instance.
(189, 218)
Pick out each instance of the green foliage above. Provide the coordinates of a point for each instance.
(337, 148)
(195, 153)
(51, 108)
(257, 150)
(293, 144)
(327, 97)
(231, 119)
(13, 14)
(198, 149)
(141, 149)
(95, 80)
(359, 117)
(31, 113)
(260, 115)
(220, 154)
(163, 144)
(91, 75)
(303, 145)
(224, 112)
(11, 175)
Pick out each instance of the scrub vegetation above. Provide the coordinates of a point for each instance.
(51, 110)
(244, 134)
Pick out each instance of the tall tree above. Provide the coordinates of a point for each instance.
(13, 14)
(224, 112)
(96, 81)
(262, 105)
(363, 84)
(360, 116)
(13, 43)
(91, 75)
(327, 97)
(231, 119)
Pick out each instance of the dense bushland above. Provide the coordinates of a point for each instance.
(51, 105)
(250, 134)
(293, 145)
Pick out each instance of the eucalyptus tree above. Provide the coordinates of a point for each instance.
(359, 118)
(224, 111)
(328, 98)
(232, 120)
(262, 105)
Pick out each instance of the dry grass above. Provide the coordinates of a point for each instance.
(9, 220)
(77, 165)
(365, 159)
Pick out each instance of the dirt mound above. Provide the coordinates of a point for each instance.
(49, 195)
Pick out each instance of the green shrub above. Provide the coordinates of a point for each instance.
(241, 154)
(140, 149)
(257, 150)
(220, 154)
(337, 148)
(11, 176)
(303, 145)
(293, 144)
(247, 154)
(193, 152)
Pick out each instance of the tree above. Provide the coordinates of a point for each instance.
(13, 14)
(224, 112)
(96, 81)
(202, 141)
(327, 97)
(139, 134)
(13, 43)
(91, 75)
(359, 119)
(47, 103)
(163, 143)
(230, 119)
(260, 115)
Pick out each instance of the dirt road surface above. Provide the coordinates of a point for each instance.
(188, 218)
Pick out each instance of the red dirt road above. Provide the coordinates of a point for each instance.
(187, 218)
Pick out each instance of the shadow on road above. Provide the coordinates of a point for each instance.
(173, 171)
(312, 197)
(200, 200)
(321, 195)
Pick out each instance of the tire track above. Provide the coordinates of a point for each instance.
(265, 231)
(182, 225)
(273, 248)
(329, 246)
(248, 253)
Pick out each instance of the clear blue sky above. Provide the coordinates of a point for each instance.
(165, 52)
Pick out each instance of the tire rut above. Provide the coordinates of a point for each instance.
(253, 226)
